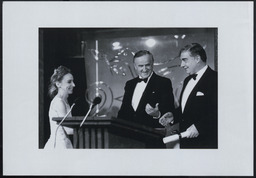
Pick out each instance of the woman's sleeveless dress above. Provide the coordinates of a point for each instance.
(59, 139)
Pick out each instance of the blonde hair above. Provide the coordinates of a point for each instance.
(57, 76)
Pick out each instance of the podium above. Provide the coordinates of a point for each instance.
(110, 132)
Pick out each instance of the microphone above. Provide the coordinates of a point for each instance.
(61, 122)
(96, 101)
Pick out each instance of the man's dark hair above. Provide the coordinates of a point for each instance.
(195, 49)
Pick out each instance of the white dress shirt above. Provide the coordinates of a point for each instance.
(191, 84)
(138, 92)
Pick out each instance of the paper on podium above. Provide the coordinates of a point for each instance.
(175, 137)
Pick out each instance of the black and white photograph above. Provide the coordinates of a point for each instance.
(128, 88)
(102, 61)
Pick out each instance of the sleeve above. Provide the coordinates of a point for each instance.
(166, 99)
(122, 113)
(177, 115)
(207, 124)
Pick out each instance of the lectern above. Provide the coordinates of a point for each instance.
(110, 132)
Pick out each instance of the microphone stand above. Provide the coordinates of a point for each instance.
(96, 101)
(61, 123)
(90, 108)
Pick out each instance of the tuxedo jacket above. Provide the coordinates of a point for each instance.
(200, 110)
(158, 90)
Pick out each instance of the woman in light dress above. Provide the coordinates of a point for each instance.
(61, 86)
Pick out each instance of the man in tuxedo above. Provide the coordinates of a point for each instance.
(197, 112)
(147, 96)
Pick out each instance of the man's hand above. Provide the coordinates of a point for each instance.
(166, 119)
(193, 131)
(154, 112)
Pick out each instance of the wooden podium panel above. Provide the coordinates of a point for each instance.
(105, 132)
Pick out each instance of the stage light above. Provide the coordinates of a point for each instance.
(116, 45)
(150, 42)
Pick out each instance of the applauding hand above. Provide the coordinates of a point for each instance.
(154, 112)
(166, 119)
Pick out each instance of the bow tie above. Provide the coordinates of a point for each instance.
(144, 80)
(192, 76)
